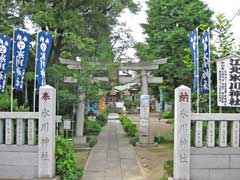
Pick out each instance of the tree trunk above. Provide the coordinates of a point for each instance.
(57, 49)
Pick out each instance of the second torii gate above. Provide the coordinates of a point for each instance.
(144, 68)
(79, 139)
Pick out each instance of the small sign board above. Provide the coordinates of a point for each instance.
(144, 114)
(228, 81)
(58, 119)
(119, 104)
(67, 124)
(70, 79)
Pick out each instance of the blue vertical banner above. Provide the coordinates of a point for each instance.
(94, 108)
(5, 55)
(21, 53)
(43, 50)
(204, 39)
(193, 42)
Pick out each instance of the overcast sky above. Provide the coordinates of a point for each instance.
(228, 7)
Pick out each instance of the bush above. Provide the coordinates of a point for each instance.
(66, 161)
(92, 141)
(133, 140)
(167, 115)
(168, 170)
(128, 126)
(164, 139)
(102, 118)
(92, 127)
(164, 178)
(107, 109)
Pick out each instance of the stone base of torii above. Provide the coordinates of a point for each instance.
(145, 137)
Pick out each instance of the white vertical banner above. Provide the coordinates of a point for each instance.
(228, 81)
(144, 115)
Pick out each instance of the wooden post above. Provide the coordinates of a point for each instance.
(182, 135)
(46, 144)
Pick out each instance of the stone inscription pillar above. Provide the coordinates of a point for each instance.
(46, 142)
(182, 134)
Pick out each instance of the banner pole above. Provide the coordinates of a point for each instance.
(197, 74)
(35, 76)
(209, 76)
(12, 70)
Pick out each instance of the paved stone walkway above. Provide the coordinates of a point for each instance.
(113, 158)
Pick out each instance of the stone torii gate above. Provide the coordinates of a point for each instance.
(79, 139)
(143, 67)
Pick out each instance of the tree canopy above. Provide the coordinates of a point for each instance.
(80, 28)
(167, 28)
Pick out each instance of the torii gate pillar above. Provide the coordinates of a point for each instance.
(145, 136)
(144, 78)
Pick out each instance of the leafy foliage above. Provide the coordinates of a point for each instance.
(164, 139)
(5, 101)
(169, 23)
(102, 118)
(92, 141)
(92, 127)
(133, 140)
(83, 30)
(129, 126)
(168, 168)
(224, 36)
(167, 114)
(66, 162)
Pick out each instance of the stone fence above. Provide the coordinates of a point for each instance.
(214, 154)
(27, 140)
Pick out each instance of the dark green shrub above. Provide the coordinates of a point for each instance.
(132, 129)
(164, 139)
(92, 127)
(92, 141)
(129, 127)
(107, 109)
(66, 161)
(133, 140)
(167, 115)
(102, 118)
(164, 178)
(168, 168)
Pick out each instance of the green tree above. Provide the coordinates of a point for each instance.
(9, 17)
(225, 40)
(81, 29)
(169, 23)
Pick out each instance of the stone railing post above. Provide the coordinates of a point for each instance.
(46, 135)
(182, 134)
(1, 131)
